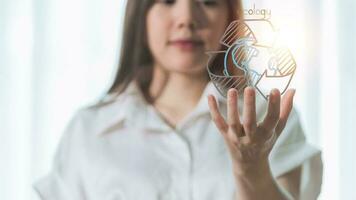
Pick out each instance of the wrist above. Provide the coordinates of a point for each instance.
(258, 184)
(258, 170)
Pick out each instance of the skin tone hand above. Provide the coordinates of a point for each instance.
(250, 143)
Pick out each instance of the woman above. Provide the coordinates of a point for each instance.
(161, 134)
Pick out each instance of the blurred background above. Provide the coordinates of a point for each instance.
(57, 56)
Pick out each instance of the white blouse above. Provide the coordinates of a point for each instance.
(121, 149)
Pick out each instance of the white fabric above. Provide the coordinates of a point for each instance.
(122, 149)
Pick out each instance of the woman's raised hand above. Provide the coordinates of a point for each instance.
(248, 141)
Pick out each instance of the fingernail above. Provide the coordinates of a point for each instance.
(275, 91)
(273, 95)
(232, 91)
(293, 91)
(250, 90)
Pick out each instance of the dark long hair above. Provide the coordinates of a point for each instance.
(136, 61)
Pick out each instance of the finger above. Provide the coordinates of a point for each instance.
(216, 116)
(273, 111)
(286, 107)
(233, 119)
(249, 112)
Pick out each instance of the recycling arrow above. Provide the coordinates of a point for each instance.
(279, 82)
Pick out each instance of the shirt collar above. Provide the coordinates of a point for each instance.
(115, 109)
(130, 108)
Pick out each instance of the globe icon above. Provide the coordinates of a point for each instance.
(252, 57)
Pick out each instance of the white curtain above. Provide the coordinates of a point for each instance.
(55, 56)
(59, 55)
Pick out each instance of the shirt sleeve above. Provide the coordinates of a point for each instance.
(62, 182)
(292, 150)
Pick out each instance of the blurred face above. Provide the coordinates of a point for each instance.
(179, 32)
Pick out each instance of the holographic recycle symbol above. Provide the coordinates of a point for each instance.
(253, 57)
